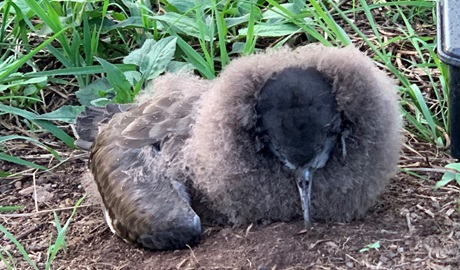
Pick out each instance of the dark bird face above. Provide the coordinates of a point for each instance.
(299, 122)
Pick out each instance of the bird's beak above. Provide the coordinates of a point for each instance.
(304, 183)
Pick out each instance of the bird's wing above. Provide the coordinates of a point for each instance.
(92, 119)
(129, 158)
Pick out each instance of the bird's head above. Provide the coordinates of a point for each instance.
(299, 122)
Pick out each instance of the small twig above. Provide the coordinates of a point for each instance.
(443, 260)
(439, 170)
(192, 255)
(312, 246)
(450, 188)
(29, 231)
(409, 222)
(353, 259)
(247, 231)
(74, 131)
(410, 148)
(35, 190)
(426, 211)
(43, 211)
(37, 248)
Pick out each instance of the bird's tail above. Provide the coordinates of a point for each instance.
(89, 121)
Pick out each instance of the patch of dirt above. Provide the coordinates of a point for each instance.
(416, 227)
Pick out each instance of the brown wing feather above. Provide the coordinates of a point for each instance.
(90, 121)
(127, 166)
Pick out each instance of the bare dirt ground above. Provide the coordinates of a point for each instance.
(416, 227)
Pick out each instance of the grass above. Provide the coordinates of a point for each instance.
(59, 243)
(107, 51)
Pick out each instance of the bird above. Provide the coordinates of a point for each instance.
(321, 122)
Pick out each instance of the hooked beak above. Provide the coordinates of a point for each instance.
(304, 183)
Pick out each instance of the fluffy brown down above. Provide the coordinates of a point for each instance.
(245, 188)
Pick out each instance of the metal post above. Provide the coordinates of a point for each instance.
(449, 53)
(454, 110)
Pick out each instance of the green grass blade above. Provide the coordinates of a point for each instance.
(18, 245)
(10, 208)
(50, 18)
(222, 34)
(60, 239)
(195, 59)
(71, 71)
(250, 43)
(21, 61)
(308, 29)
(424, 109)
(59, 133)
(7, 263)
(22, 162)
(34, 141)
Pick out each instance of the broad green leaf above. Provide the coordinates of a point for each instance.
(92, 91)
(237, 48)
(153, 57)
(187, 5)
(133, 77)
(272, 30)
(100, 102)
(31, 90)
(22, 5)
(135, 57)
(457, 178)
(235, 21)
(131, 22)
(276, 13)
(455, 166)
(179, 67)
(182, 24)
(118, 81)
(66, 114)
(158, 59)
(446, 178)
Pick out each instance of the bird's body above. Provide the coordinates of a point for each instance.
(236, 145)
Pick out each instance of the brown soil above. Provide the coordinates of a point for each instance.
(417, 228)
